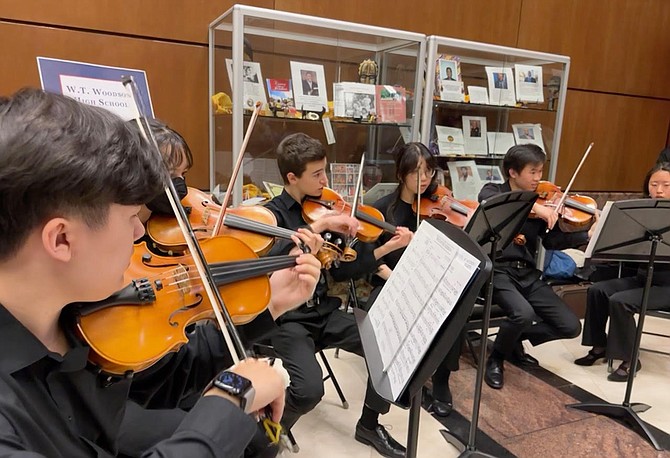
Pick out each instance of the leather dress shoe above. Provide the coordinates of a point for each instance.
(381, 440)
(441, 408)
(494, 374)
(621, 373)
(521, 358)
(590, 359)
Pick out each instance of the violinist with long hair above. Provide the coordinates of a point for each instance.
(414, 162)
(517, 284)
(620, 298)
(320, 323)
(73, 244)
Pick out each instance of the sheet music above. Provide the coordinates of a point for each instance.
(599, 227)
(420, 294)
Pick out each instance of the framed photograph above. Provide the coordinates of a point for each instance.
(501, 86)
(528, 133)
(449, 70)
(450, 140)
(500, 142)
(252, 81)
(464, 179)
(354, 100)
(474, 135)
(309, 86)
(490, 174)
(529, 83)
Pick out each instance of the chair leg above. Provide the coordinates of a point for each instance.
(331, 376)
(292, 444)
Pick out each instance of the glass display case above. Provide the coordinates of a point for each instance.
(253, 51)
(479, 99)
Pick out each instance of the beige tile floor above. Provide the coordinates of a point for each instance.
(328, 430)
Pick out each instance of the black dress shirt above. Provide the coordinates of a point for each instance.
(58, 406)
(289, 215)
(398, 214)
(533, 229)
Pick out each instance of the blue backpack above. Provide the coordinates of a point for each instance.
(558, 265)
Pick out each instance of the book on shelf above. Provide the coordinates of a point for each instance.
(391, 104)
(280, 94)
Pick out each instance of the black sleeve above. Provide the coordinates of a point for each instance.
(559, 240)
(182, 375)
(489, 190)
(215, 427)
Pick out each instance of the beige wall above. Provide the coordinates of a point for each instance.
(619, 93)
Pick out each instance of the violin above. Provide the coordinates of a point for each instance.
(256, 226)
(442, 205)
(240, 222)
(137, 326)
(371, 220)
(576, 211)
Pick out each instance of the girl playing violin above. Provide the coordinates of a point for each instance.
(518, 287)
(73, 244)
(620, 298)
(414, 162)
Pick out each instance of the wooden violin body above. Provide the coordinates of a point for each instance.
(139, 325)
(442, 205)
(167, 236)
(576, 212)
(371, 220)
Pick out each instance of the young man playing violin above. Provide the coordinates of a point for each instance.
(319, 323)
(73, 244)
(518, 287)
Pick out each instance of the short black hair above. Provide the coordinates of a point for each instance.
(59, 157)
(172, 145)
(296, 151)
(519, 156)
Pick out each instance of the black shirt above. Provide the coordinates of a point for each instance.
(398, 214)
(533, 230)
(56, 406)
(289, 215)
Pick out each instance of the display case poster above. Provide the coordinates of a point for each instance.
(96, 85)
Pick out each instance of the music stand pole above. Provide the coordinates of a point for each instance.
(493, 234)
(626, 410)
(413, 425)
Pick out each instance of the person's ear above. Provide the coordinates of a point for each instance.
(292, 178)
(57, 236)
(512, 173)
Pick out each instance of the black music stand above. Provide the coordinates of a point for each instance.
(632, 230)
(444, 339)
(493, 226)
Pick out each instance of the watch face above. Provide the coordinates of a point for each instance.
(234, 383)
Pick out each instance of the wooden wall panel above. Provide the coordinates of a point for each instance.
(177, 75)
(478, 20)
(628, 133)
(620, 46)
(185, 20)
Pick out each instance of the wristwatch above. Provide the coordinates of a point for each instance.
(236, 386)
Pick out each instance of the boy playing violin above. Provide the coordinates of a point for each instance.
(518, 287)
(320, 324)
(73, 243)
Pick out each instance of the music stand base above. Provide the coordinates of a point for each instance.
(626, 413)
(464, 450)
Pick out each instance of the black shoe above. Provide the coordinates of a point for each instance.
(591, 358)
(621, 373)
(521, 358)
(380, 439)
(494, 374)
(441, 408)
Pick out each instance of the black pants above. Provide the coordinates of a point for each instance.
(296, 343)
(525, 297)
(618, 299)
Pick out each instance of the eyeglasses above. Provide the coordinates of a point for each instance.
(428, 173)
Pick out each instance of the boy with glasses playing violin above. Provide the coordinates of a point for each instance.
(518, 287)
(72, 181)
(320, 323)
